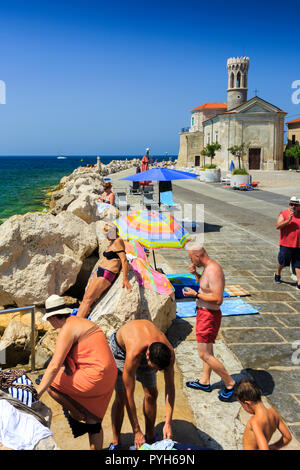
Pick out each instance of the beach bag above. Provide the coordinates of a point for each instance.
(18, 385)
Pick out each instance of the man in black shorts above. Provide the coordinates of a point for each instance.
(140, 349)
(288, 223)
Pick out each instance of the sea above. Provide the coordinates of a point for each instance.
(25, 181)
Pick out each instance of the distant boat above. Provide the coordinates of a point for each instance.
(61, 158)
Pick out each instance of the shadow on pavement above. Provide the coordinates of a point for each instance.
(263, 379)
(183, 432)
(178, 331)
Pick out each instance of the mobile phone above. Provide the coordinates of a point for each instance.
(185, 289)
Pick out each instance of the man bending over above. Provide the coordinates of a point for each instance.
(140, 350)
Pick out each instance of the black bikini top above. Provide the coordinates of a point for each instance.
(112, 254)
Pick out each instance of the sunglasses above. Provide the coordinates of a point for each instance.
(294, 204)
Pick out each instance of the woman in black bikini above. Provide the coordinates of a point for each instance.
(114, 259)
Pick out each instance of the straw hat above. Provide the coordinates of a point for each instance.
(55, 305)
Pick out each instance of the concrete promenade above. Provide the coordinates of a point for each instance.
(239, 233)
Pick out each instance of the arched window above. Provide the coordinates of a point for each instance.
(238, 80)
(232, 80)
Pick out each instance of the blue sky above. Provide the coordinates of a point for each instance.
(93, 77)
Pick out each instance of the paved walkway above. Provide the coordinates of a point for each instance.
(264, 342)
(240, 234)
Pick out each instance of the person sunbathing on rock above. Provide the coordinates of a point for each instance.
(82, 372)
(108, 197)
(114, 260)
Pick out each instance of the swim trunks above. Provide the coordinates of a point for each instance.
(207, 325)
(144, 374)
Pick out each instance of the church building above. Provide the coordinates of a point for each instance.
(255, 122)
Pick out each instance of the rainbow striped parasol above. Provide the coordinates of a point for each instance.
(152, 229)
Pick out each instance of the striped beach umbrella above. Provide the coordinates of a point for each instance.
(153, 230)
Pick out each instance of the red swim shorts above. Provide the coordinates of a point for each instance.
(207, 325)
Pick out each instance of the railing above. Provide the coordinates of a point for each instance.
(32, 338)
(185, 129)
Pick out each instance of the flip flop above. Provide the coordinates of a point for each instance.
(198, 386)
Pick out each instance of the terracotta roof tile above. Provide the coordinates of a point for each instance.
(210, 106)
(294, 120)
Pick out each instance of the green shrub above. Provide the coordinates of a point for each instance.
(240, 171)
(210, 167)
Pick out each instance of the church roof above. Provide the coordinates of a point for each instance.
(210, 106)
(294, 120)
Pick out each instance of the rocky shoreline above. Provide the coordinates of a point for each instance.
(54, 252)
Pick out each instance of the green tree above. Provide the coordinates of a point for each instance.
(210, 150)
(294, 152)
(238, 151)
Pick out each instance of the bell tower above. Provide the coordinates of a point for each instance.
(237, 81)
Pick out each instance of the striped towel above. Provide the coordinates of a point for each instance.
(23, 395)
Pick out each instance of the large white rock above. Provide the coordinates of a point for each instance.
(118, 306)
(41, 255)
(15, 344)
(85, 207)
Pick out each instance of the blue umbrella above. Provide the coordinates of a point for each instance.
(160, 174)
(232, 166)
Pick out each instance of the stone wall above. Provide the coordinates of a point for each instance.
(191, 144)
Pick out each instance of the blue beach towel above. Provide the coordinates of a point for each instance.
(74, 313)
(237, 306)
(229, 307)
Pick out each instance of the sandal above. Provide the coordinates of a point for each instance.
(198, 386)
(226, 395)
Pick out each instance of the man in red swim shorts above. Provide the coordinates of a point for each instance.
(209, 299)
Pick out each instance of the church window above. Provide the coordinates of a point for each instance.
(293, 139)
(192, 121)
(238, 80)
(232, 80)
(208, 138)
(216, 136)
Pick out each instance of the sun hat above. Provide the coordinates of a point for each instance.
(55, 305)
(295, 200)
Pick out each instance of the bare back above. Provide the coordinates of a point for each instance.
(267, 423)
(136, 336)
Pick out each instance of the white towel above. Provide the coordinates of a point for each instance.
(18, 430)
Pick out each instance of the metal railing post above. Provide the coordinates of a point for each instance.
(32, 339)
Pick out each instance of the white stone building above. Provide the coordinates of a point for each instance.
(254, 122)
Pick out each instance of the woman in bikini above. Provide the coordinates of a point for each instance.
(114, 260)
(82, 372)
(108, 196)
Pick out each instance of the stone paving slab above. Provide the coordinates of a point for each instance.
(251, 335)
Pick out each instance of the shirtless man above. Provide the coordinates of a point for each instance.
(209, 299)
(140, 349)
(264, 422)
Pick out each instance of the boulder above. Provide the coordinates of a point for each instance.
(15, 344)
(61, 204)
(41, 325)
(41, 255)
(45, 348)
(118, 305)
(84, 207)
